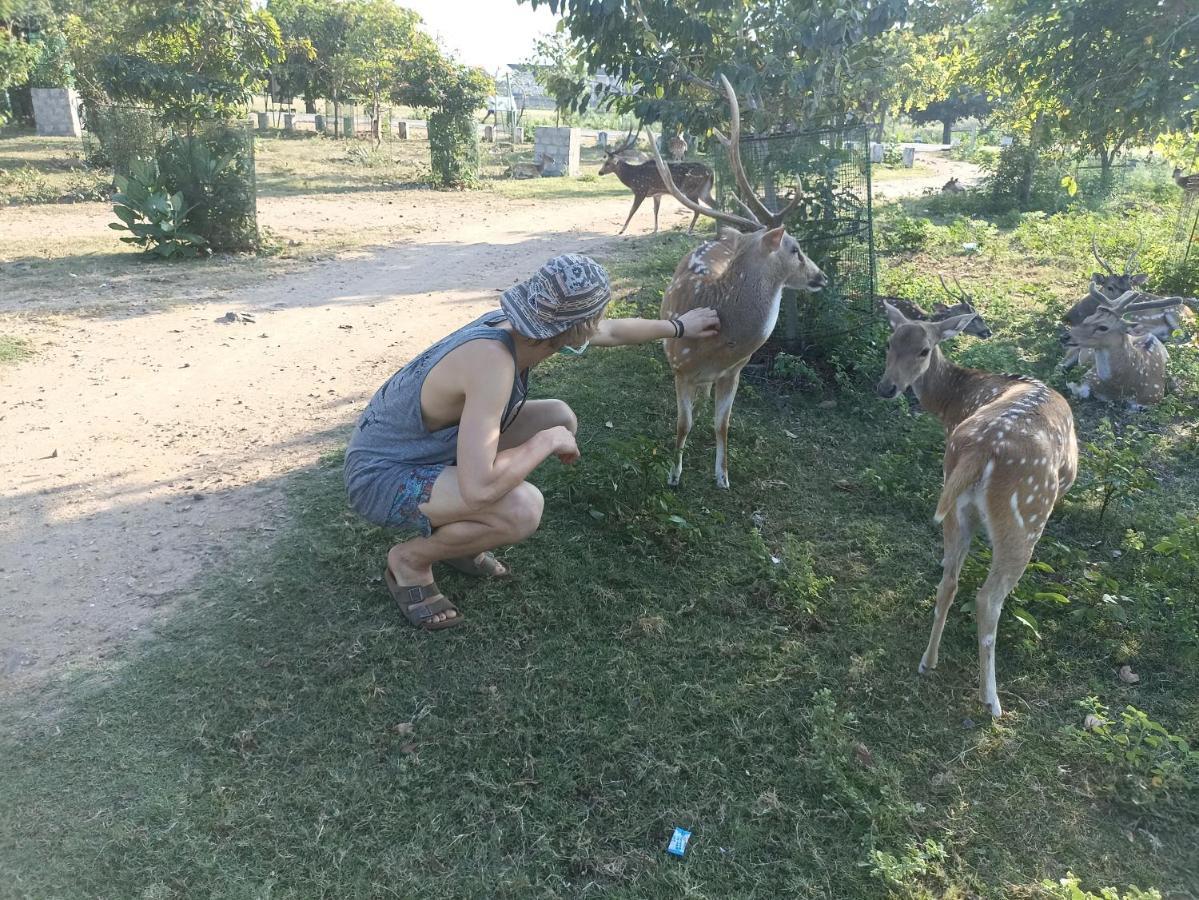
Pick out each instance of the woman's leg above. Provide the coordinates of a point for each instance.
(535, 416)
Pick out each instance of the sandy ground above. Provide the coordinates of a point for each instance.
(942, 168)
(144, 443)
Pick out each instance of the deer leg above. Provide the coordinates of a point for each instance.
(691, 227)
(684, 391)
(657, 203)
(1008, 561)
(958, 528)
(726, 393)
(637, 201)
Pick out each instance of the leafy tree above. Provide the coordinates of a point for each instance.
(16, 57)
(558, 70)
(962, 103)
(1099, 74)
(453, 94)
(386, 50)
(191, 59)
(785, 57)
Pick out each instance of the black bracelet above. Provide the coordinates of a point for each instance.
(678, 326)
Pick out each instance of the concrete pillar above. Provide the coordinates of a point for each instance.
(518, 134)
(319, 124)
(563, 144)
(264, 121)
(289, 122)
(56, 112)
(349, 126)
(489, 134)
(876, 152)
(399, 128)
(909, 157)
(601, 140)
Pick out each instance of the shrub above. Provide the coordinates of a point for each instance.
(903, 234)
(453, 149)
(155, 217)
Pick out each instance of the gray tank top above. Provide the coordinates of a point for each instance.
(391, 435)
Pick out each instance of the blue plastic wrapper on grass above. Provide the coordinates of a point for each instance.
(678, 842)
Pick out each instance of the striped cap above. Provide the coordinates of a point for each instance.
(565, 291)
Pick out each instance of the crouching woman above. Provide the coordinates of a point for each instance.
(445, 445)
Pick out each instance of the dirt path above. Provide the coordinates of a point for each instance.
(136, 450)
(943, 169)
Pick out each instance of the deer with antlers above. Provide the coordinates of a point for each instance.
(1010, 455)
(1128, 364)
(963, 303)
(694, 180)
(741, 275)
(1162, 321)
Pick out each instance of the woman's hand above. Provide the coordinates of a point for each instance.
(700, 323)
(563, 444)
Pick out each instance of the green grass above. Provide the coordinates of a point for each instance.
(13, 349)
(740, 663)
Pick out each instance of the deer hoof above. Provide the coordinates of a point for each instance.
(673, 479)
(722, 481)
(924, 668)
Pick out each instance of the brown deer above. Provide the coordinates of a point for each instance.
(1189, 183)
(1127, 364)
(695, 180)
(677, 148)
(535, 169)
(741, 275)
(964, 304)
(1010, 455)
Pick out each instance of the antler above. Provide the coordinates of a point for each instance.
(1123, 305)
(1100, 259)
(732, 145)
(629, 140)
(668, 182)
(1128, 266)
(961, 296)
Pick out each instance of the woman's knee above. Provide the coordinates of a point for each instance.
(562, 414)
(523, 508)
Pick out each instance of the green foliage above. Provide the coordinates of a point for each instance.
(14, 349)
(213, 166)
(909, 871)
(783, 56)
(52, 66)
(16, 56)
(156, 218)
(1135, 760)
(27, 185)
(453, 150)
(1069, 888)
(189, 59)
(1113, 467)
(899, 232)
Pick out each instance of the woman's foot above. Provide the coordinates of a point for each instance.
(403, 578)
(485, 565)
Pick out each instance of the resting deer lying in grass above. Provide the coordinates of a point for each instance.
(694, 180)
(1127, 364)
(1161, 321)
(952, 186)
(535, 169)
(1010, 455)
(741, 275)
(941, 312)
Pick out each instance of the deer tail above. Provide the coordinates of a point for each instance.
(964, 476)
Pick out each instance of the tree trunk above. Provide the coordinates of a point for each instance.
(1106, 157)
(336, 116)
(878, 130)
(376, 117)
(947, 131)
(309, 102)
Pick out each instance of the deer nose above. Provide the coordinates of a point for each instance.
(1065, 337)
(886, 389)
(818, 281)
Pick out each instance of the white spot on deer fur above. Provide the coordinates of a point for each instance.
(1015, 501)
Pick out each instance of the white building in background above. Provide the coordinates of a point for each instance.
(528, 94)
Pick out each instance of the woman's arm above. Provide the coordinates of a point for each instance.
(697, 323)
(484, 473)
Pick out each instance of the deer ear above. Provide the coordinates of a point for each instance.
(939, 307)
(895, 316)
(1096, 278)
(773, 239)
(949, 328)
(726, 234)
(1139, 280)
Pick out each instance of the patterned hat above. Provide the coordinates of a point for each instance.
(565, 291)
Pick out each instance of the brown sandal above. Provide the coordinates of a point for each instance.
(420, 603)
(485, 565)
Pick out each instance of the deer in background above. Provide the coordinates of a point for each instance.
(963, 304)
(677, 148)
(741, 275)
(953, 186)
(535, 169)
(694, 180)
(1010, 455)
(1189, 183)
(1162, 320)
(1128, 363)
